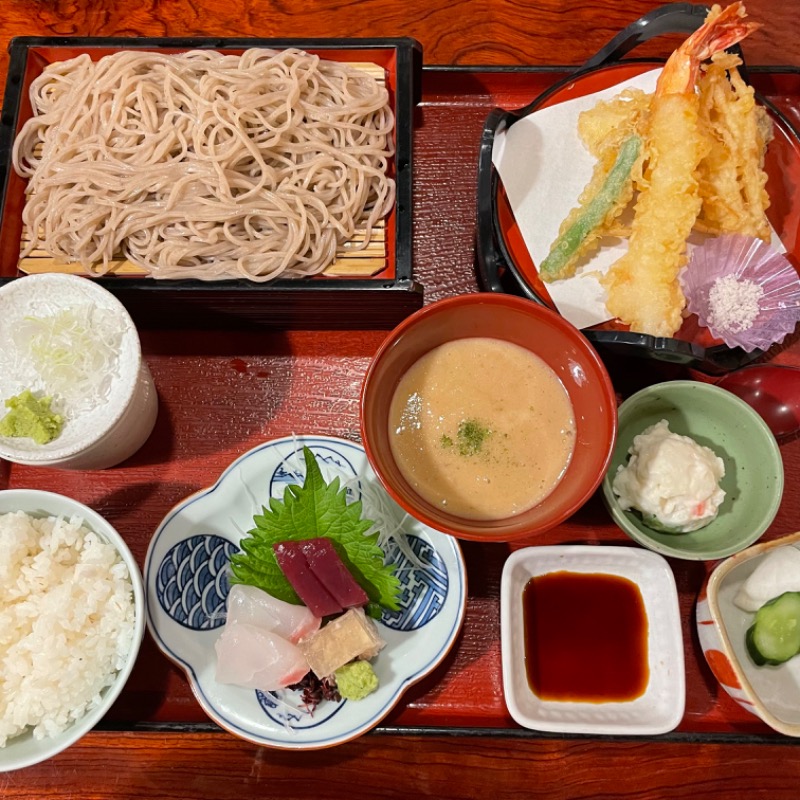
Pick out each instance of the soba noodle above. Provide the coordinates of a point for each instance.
(205, 165)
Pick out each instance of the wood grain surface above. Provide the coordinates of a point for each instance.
(214, 766)
(476, 32)
(223, 394)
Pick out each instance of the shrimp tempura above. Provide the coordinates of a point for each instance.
(643, 288)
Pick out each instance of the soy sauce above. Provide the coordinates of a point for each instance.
(585, 637)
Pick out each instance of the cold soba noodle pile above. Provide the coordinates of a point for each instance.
(205, 165)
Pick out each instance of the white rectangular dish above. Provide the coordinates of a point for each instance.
(660, 707)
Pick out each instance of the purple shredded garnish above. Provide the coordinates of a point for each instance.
(315, 690)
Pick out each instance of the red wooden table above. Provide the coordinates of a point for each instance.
(222, 393)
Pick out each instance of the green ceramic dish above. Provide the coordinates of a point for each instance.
(753, 481)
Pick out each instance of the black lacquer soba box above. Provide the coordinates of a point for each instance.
(373, 292)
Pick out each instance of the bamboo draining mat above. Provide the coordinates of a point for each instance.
(350, 263)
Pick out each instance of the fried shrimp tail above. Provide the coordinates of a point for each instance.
(643, 288)
(719, 32)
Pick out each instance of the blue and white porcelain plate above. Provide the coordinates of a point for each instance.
(186, 580)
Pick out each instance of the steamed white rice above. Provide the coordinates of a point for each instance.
(66, 622)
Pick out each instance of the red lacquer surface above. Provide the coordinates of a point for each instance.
(224, 393)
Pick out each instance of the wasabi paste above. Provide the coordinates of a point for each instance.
(31, 417)
(356, 680)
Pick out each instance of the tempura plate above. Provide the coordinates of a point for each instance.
(692, 344)
(506, 265)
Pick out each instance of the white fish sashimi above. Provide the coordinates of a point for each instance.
(256, 658)
(778, 572)
(253, 606)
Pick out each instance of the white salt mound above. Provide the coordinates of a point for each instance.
(66, 622)
(734, 304)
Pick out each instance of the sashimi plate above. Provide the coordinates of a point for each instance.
(187, 583)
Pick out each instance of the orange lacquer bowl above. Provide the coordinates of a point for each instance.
(522, 322)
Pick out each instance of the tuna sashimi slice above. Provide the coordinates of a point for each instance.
(253, 606)
(332, 572)
(293, 564)
(258, 659)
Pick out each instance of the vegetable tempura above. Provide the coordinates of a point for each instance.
(732, 177)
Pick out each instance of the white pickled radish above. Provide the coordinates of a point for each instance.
(255, 658)
(778, 572)
(253, 606)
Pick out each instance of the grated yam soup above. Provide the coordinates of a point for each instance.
(481, 428)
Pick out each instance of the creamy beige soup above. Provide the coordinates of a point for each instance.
(482, 428)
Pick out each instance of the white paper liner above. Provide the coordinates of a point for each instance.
(544, 167)
(746, 259)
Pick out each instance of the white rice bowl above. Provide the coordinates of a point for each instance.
(71, 622)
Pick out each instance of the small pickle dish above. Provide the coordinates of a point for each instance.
(727, 609)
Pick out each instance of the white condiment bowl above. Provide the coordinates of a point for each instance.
(109, 433)
(24, 750)
(660, 708)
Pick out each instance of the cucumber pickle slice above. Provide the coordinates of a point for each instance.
(774, 636)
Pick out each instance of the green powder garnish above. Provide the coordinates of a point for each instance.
(471, 436)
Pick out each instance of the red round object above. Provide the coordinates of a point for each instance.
(773, 391)
(544, 333)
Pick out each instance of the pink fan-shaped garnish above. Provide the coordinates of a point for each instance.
(744, 291)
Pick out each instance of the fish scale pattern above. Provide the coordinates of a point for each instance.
(192, 582)
(423, 590)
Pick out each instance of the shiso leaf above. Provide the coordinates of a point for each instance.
(315, 509)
